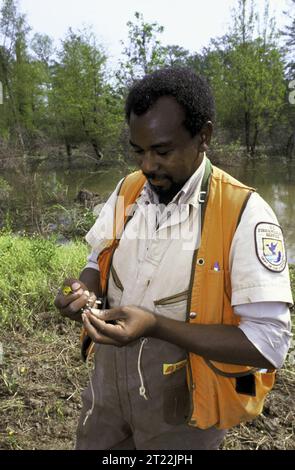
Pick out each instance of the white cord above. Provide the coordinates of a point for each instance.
(90, 411)
(142, 391)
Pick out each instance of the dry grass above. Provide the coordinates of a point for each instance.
(42, 376)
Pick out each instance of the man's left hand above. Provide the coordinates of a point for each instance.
(128, 324)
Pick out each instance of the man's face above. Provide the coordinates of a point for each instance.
(164, 149)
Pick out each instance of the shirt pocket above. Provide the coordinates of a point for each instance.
(174, 306)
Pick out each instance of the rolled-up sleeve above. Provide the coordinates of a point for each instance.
(92, 260)
(267, 326)
(261, 296)
(102, 231)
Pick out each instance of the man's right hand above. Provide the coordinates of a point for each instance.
(70, 304)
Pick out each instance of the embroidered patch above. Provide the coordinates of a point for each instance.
(270, 247)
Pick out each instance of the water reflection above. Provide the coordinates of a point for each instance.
(275, 183)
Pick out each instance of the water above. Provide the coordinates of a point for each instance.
(274, 182)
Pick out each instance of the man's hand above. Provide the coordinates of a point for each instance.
(73, 296)
(128, 324)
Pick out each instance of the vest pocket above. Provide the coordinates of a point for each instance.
(172, 299)
(174, 304)
(212, 298)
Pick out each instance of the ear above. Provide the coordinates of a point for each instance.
(205, 136)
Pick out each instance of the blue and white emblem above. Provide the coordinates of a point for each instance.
(270, 247)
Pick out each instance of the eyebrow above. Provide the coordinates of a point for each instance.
(159, 145)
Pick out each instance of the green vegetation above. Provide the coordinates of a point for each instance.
(31, 271)
(66, 95)
(42, 374)
(292, 276)
(5, 189)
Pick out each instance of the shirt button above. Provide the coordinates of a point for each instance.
(192, 315)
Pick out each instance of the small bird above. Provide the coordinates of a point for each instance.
(272, 247)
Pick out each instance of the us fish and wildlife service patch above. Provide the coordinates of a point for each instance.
(270, 247)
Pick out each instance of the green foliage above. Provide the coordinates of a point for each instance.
(289, 35)
(74, 99)
(83, 105)
(246, 70)
(23, 77)
(5, 189)
(292, 277)
(31, 271)
(73, 222)
(143, 53)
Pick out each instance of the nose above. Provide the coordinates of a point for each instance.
(149, 163)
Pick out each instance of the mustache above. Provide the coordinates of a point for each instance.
(154, 176)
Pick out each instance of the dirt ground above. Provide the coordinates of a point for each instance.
(41, 378)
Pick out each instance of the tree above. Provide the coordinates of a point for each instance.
(13, 33)
(143, 53)
(246, 70)
(289, 111)
(81, 101)
(289, 35)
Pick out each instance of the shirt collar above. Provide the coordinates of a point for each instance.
(189, 194)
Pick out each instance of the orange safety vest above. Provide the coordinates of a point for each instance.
(215, 388)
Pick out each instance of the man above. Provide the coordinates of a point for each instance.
(196, 283)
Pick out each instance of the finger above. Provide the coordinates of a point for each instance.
(75, 284)
(108, 315)
(116, 332)
(62, 301)
(93, 302)
(75, 306)
(96, 335)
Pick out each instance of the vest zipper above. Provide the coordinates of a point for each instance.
(205, 188)
(191, 384)
(191, 387)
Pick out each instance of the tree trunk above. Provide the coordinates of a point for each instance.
(92, 140)
(97, 152)
(69, 150)
(254, 141)
(290, 150)
(11, 99)
(247, 131)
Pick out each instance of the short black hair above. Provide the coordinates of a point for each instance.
(190, 90)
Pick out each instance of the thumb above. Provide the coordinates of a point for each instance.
(108, 315)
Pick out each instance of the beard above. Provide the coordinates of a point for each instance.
(166, 194)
